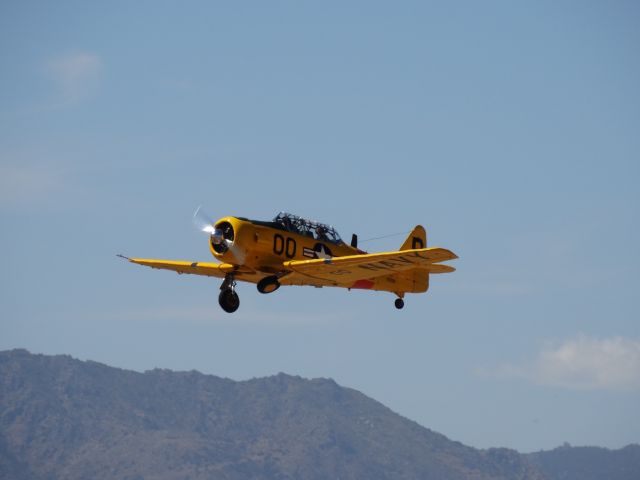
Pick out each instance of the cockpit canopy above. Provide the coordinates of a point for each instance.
(309, 228)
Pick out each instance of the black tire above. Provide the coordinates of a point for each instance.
(399, 303)
(268, 284)
(229, 300)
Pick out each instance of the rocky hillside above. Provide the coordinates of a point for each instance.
(64, 418)
(589, 463)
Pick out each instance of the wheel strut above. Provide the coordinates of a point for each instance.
(229, 282)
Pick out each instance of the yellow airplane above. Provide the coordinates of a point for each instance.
(291, 250)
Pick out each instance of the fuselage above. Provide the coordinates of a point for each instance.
(260, 249)
(264, 246)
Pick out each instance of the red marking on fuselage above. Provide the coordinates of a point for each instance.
(365, 284)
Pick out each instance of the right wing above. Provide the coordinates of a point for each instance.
(345, 271)
(208, 269)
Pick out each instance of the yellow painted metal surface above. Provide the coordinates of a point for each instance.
(208, 269)
(391, 271)
(261, 249)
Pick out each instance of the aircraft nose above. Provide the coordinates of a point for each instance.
(217, 236)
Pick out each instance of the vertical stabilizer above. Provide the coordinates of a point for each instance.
(416, 239)
(420, 277)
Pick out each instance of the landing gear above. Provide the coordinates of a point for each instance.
(399, 303)
(268, 284)
(228, 298)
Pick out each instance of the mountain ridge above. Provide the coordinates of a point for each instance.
(66, 418)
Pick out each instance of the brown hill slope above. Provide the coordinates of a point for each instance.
(64, 418)
(589, 463)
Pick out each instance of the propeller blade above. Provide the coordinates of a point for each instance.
(203, 222)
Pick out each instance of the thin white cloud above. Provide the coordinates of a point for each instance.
(20, 185)
(581, 363)
(77, 75)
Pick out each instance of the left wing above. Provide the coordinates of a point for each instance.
(196, 268)
(351, 268)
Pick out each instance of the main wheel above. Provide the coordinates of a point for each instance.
(268, 284)
(229, 300)
(399, 303)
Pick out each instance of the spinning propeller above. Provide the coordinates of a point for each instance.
(204, 223)
(222, 234)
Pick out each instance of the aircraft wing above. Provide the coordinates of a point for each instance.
(208, 269)
(349, 269)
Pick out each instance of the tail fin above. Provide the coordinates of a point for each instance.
(416, 239)
(420, 277)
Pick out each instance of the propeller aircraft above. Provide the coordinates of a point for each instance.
(291, 250)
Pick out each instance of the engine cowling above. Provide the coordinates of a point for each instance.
(224, 241)
(222, 237)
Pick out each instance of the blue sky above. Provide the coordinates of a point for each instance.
(510, 130)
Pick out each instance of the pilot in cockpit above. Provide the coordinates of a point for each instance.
(321, 234)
